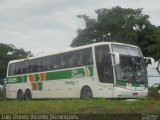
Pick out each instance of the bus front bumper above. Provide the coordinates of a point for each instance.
(126, 93)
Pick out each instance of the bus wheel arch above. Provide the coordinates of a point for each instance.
(86, 92)
(28, 94)
(20, 95)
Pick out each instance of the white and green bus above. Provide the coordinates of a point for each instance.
(100, 70)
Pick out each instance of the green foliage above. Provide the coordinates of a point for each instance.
(9, 52)
(120, 25)
(153, 92)
(2, 95)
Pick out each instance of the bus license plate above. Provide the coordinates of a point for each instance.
(135, 94)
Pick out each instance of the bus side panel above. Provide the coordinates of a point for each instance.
(12, 89)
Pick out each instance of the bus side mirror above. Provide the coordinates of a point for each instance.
(1, 88)
(116, 58)
(5, 82)
(149, 60)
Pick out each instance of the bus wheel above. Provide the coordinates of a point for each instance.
(20, 95)
(86, 93)
(28, 95)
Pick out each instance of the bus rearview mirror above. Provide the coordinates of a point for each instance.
(149, 60)
(116, 58)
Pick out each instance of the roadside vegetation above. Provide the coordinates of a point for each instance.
(151, 104)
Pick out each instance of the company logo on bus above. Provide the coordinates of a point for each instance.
(12, 80)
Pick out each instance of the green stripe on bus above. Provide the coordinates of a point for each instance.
(21, 79)
(40, 87)
(91, 71)
(59, 75)
(25, 78)
(36, 77)
(56, 75)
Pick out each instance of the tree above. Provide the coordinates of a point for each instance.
(9, 52)
(120, 25)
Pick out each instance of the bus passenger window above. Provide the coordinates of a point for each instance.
(11, 69)
(71, 61)
(79, 58)
(55, 66)
(19, 71)
(84, 57)
(52, 62)
(63, 62)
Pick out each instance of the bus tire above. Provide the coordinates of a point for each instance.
(86, 93)
(28, 95)
(20, 95)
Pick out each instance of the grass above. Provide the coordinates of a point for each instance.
(150, 105)
(77, 106)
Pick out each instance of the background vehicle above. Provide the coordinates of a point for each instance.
(153, 70)
(106, 70)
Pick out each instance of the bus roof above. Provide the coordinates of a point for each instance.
(68, 50)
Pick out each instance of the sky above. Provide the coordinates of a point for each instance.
(47, 25)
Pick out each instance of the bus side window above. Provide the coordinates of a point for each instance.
(11, 69)
(79, 58)
(35, 65)
(19, 70)
(25, 67)
(45, 63)
(71, 60)
(55, 62)
(30, 67)
(84, 57)
(22, 64)
(16, 69)
(90, 60)
(48, 60)
(40, 64)
(68, 60)
(51, 62)
(87, 57)
(63, 61)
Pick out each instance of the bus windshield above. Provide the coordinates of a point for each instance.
(132, 67)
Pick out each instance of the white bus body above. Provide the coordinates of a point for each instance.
(100, 70)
